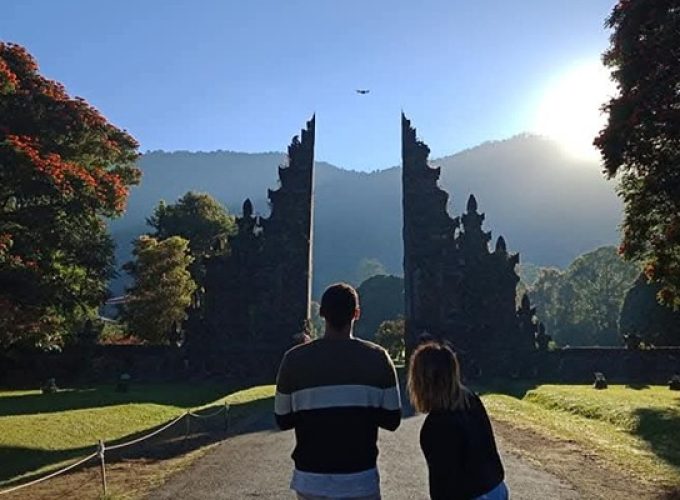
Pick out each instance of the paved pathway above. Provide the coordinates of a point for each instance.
(257, 465)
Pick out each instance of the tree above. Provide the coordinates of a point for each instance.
(642, 315)
(581, 305)
(318, 324)
(528, 273)
(199, 218)
(63, 169)
(390, 335)
(162, 289)
(640, 144)
(600, 280)
(549, 295)
(381, 298)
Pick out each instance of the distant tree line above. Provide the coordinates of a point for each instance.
(580, 306)
(596, 301)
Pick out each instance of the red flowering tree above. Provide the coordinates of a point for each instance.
(64, 169)
(641, 143)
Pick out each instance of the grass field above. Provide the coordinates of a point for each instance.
(634, 428)
(39, 432)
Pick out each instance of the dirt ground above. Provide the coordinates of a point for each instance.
(591, 476)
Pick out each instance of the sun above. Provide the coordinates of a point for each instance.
(568, 111)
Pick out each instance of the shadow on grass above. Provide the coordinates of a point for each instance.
(182, 395)
(660, 428)
(510, 387)
(173, 442)
(637, 387)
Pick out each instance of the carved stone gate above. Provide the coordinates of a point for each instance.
(456, 289)
(257, 299)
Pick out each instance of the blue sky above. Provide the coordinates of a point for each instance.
(245, 75)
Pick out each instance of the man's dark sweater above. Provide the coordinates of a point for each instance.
(336, 393)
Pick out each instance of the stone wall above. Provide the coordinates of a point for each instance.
(95, 364)
(104, 364)
(577, 365)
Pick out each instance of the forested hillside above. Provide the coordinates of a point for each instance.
(549, 207)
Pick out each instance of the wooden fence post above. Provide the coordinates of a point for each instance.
(102, 464)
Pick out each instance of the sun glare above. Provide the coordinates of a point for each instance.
(569, 109)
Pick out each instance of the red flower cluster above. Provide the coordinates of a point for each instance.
(61, 173)
(89, 114)
(8, 80)
(18, 57)
(113, 184)
(54, 90)
(108, 187)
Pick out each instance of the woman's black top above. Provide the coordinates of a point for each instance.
(461, 452)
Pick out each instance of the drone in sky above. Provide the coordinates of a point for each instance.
(362, 91)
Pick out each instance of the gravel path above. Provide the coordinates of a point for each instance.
(257, 464)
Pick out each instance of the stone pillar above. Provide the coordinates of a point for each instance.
(456, 289)
(428, 234)
(257, 298)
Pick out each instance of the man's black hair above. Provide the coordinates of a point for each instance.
(338, 305)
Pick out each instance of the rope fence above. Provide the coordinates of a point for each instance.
(101, 448)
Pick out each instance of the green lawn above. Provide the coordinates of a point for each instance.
(637, 429)
(39, 432)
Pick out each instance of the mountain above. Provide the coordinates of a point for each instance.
(550, 207)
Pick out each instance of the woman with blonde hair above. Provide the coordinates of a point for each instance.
(456, 438)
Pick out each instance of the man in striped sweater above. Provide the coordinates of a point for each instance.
(335, 392)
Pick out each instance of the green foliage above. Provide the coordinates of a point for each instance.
(317, 323)
(642, 315)
(390, 335)
(199, 218)
(528, 273)
(640, 145)
(63, 169)
(581, 305)
(381, 298)
(162, 289)
(114, 332)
